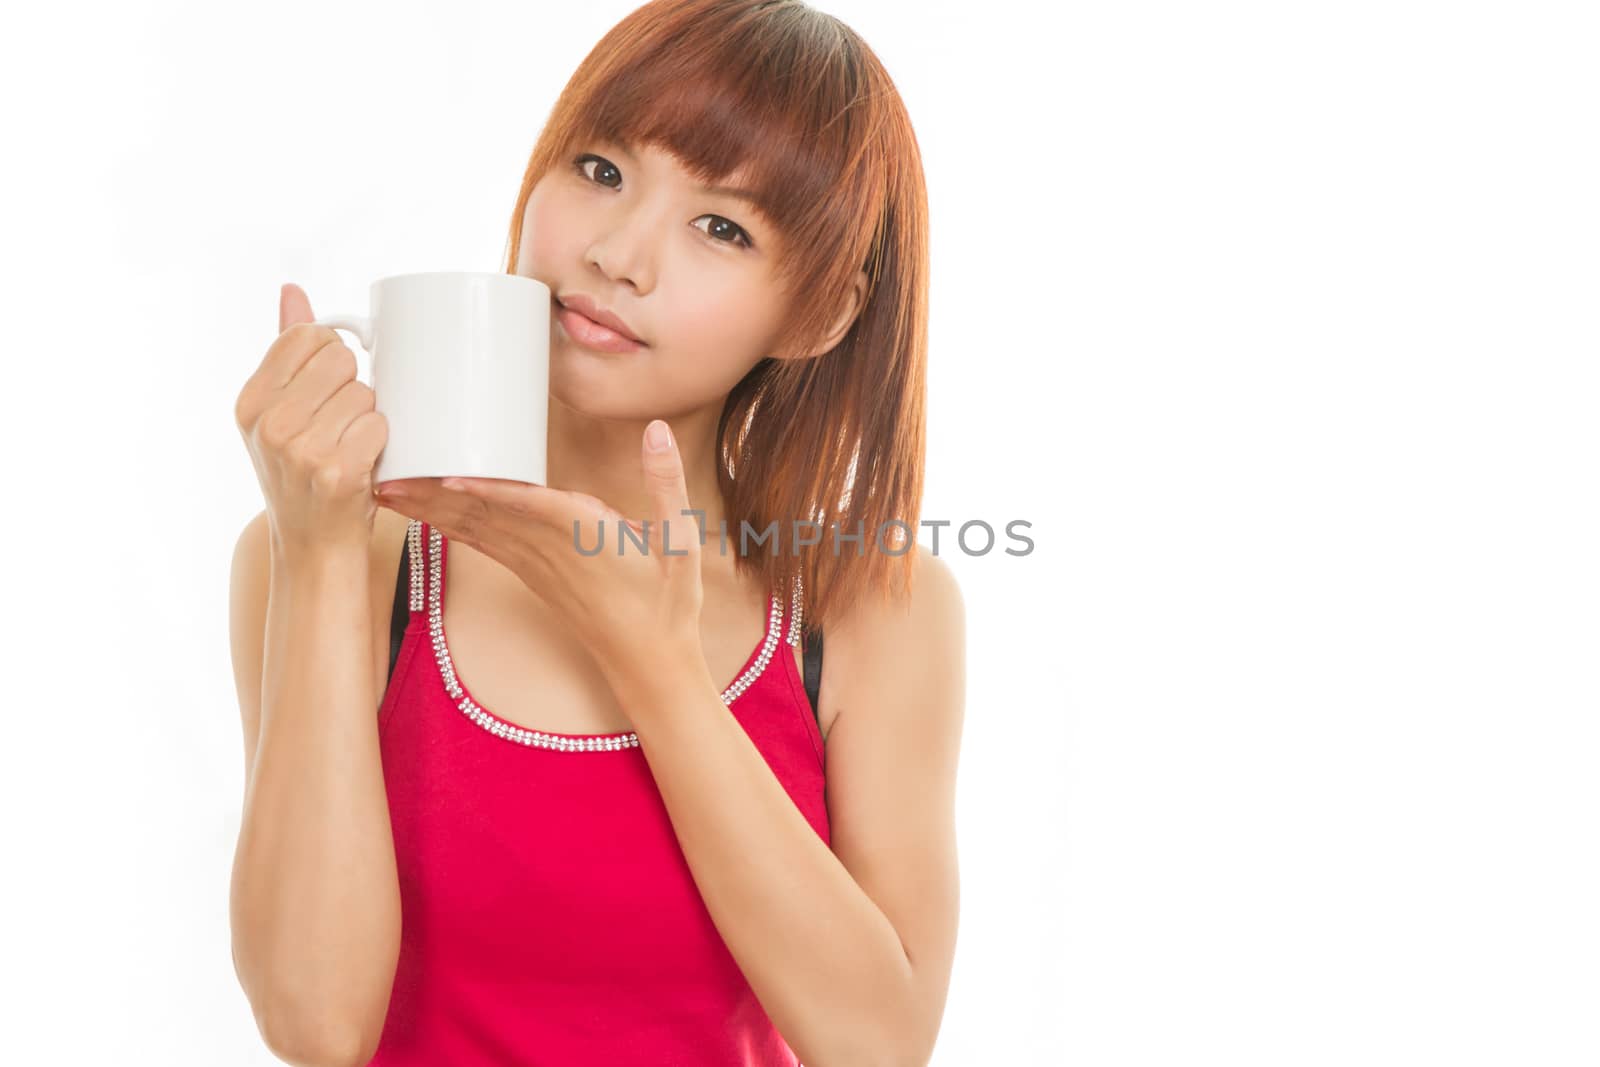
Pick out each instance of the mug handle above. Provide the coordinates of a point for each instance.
(360, 325)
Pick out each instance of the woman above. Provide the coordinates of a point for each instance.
(598, 819)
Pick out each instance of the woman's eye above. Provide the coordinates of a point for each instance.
(726, 230)
(587, 158)
(728, 226)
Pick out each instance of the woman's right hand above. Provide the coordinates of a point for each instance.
(314, 434)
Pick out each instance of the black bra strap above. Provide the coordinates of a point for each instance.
(811, 656)
(401, 614)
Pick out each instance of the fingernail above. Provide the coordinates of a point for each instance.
(659, 436)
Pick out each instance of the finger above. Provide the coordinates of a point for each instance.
(516, 498)
(483, 523)
(428, 500)
(293, 306)
(676, 533)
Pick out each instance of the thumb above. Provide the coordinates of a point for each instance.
(669, 493)
(293, 306)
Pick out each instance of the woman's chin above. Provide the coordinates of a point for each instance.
(579, 384)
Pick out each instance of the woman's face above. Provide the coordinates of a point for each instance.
(692, 273)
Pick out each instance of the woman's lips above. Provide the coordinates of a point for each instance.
(590, 334)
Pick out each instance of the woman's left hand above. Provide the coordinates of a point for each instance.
(634, 608)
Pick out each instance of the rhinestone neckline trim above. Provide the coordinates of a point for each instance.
(542, 738)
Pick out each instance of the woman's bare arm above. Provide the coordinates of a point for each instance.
(315, 901)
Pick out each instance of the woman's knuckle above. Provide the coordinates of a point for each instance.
(327, 476)
(273, 429)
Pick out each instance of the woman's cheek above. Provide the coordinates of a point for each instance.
(544, 231)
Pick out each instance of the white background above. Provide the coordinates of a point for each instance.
(1277, 321)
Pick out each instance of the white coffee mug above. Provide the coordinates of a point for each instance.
(461, 369)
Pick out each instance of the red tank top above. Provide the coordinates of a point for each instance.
(548, 916)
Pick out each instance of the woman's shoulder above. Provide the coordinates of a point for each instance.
(933, 599)
(389, 533)
(882, 644)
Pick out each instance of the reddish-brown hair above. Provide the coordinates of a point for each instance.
(799, 98)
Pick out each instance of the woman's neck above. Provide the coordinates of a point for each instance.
(603, 458)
